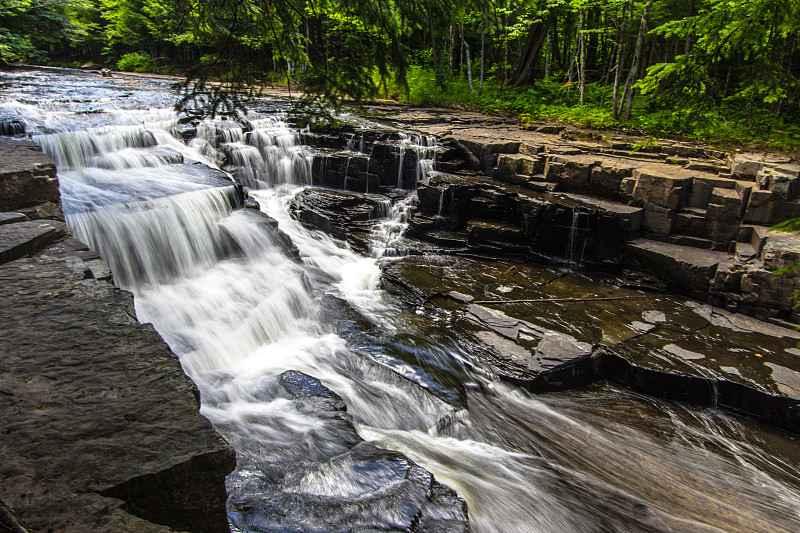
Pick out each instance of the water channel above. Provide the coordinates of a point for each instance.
(232, 300)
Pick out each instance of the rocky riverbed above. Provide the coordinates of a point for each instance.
(548, 259)
(568, 256)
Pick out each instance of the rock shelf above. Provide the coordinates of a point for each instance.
(516, 231)
(612, 201)
(546, 329)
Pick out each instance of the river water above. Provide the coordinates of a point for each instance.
(224, 291)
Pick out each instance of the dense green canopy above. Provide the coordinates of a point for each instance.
(691, 66)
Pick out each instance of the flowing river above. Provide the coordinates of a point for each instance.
(232, 300)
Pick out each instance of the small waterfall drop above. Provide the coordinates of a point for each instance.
(400, 167)
(385, 235)
(424, 149)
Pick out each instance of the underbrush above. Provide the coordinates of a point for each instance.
(733, 123)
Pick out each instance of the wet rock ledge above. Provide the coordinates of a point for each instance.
(548, 329)
(99, 427)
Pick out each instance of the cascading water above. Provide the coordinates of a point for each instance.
(223, 290)
(385, 235)
(424, 150)
(572, 240)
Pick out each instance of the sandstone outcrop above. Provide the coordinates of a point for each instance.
(28, 181)
(610, 202)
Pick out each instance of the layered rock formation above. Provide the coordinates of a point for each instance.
(697, 217)
(101, 429)
(546, 329)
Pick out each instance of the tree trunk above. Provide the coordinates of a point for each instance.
(548, 57)
(505, 50)
(582, 51)
(450, 51)
(527, 57)
(576, 53)
(556, 50)
(687, 46)
(461, 48)
(637, 54)
(437, 72)
(469, 60)
(622, 37)
(483, 56)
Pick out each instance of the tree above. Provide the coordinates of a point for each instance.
(753, 42)
(627, 93)
(539, 26)
(29, 29)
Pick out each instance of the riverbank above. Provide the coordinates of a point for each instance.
(101, 429)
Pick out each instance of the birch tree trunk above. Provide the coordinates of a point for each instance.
(452, 45)
(469, 68)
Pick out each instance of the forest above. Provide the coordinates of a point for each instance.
(720, 71)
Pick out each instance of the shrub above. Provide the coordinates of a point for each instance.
(136, 62)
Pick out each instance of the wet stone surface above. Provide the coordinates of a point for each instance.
(28, 237)
(28, 181)
(549, 329)
(326, 478)
(343, 215)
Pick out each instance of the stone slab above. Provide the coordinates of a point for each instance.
(27, 176)
(544, 329)
(664, 190)
(11, 218)
(687, 267)
(382, 490)
(27, 238)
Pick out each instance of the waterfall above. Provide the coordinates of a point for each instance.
(573, 231)
(424, 149)
(577, 240)
(400, 168)
(158, 240)
(346, 174)
(266, 156)
(384, 236)
(219, 285)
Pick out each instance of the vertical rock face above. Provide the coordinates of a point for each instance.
(28, 182)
